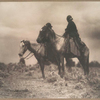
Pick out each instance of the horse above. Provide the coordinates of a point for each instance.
(39, 52)
(61, 45)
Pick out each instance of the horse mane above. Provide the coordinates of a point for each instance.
(53, 34)
(37, 48)
(34, 46)
(55, 37)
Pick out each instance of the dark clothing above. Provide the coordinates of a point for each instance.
(71, 30)
(73, 33)
(52, 34)
(71, 27)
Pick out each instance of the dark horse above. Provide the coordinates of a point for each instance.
(39, 52)
(60, 45)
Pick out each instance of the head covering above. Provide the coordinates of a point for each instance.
(49, 25)
(69, 18)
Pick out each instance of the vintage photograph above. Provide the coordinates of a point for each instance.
(50, 49)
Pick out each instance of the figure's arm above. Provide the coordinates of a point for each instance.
(66, 32)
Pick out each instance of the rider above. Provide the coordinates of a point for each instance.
(72, 31)
(49, 26)
(51, 34)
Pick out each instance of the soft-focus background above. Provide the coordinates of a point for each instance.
(23, 20)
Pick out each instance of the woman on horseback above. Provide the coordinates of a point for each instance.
(73, 32)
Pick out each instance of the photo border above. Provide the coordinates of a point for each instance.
(47, 1)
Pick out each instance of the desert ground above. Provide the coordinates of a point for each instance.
(20, 81)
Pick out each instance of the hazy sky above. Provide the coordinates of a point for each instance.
(23, 20)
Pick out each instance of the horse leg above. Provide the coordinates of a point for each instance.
(85, 64)
(62, 65)
(87, 60)
(85, 57)
(59, 68)
(88, 64)
(81, 60)
(41, 62)
(68, 64)
(42, 69)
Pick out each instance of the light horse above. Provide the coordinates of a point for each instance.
(39, 52)
(60, 45)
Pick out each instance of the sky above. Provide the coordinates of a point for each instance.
(24, 20)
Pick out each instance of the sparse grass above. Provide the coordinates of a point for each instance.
(73, 84)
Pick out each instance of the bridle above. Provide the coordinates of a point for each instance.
(28, 55)
(31, 53)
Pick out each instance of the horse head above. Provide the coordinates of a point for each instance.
(24, 45)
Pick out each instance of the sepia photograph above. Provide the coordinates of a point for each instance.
(50, 49)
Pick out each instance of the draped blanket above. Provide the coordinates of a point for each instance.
(72, 47)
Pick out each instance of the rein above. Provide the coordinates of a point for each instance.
(56, 34)
(59, 35)
(27, 56)
(32, 54)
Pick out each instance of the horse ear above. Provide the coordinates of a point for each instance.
(22, 41)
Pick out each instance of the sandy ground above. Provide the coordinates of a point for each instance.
(27, 82)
